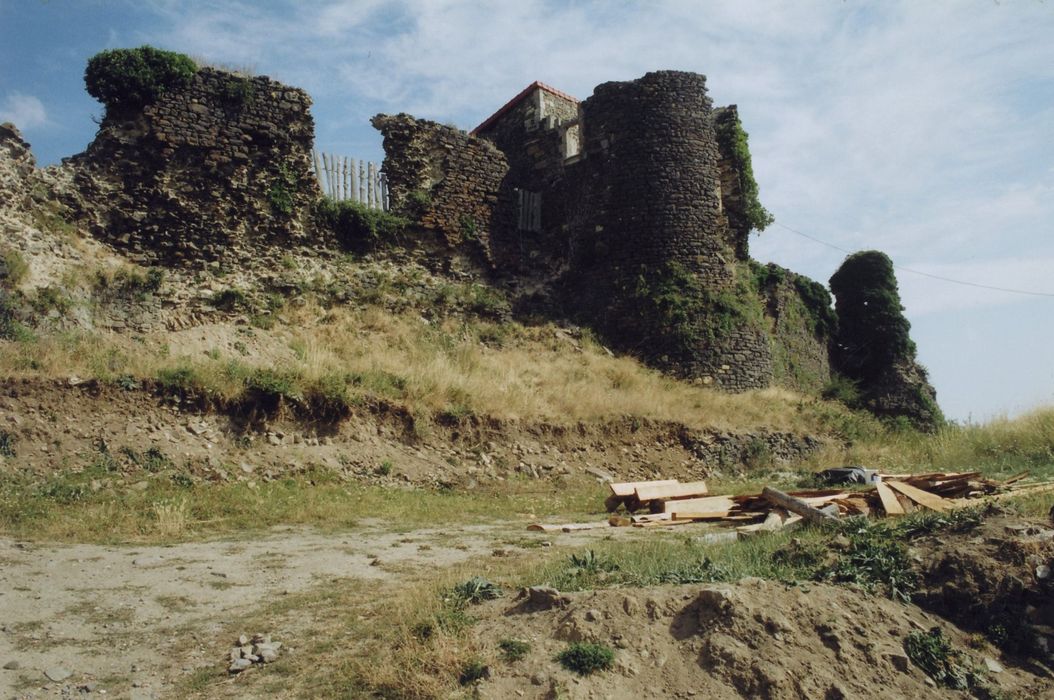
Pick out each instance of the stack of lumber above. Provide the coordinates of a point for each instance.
(669, 502)
(652, 495)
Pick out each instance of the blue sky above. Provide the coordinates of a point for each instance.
(923, 129)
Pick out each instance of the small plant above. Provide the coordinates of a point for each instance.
(153, 460)
(50, 299)
(514, 649)
(228, 299)
(13, 268)
(469, 228)
(476, 590)
(384, 468)
(472, 671)
(128, 383)
(585, 658)
(7, 444)
(589, 562)
(122, 78)
(282, 189)
(933, 653)
(875, 557)
(418, 202)
(237, 93)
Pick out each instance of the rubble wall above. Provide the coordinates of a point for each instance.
(217, 168)
(443, 179)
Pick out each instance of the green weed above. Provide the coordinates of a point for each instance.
(585, 658)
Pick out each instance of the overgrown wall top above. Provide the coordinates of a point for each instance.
(218, 167)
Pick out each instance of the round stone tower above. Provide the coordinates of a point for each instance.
(651, 259)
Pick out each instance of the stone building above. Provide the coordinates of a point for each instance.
(630, 205)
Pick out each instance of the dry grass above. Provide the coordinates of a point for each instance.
(507, 371)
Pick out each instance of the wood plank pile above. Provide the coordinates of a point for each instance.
(668, 502)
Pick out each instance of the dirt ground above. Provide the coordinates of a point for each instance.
(129, 620)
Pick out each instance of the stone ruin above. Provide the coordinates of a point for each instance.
(626, 208)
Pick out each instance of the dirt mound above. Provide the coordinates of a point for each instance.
(995, 580)
(752, 639)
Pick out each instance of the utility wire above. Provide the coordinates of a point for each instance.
(918, 272)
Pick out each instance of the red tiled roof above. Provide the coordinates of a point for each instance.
(514, 101)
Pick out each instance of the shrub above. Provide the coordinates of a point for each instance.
(513, 649)
(228, 299)
(356, 226)
(843, 389)
(585, 658)
(7, 444)
(124, 78)
(13, 268)
(473, 671)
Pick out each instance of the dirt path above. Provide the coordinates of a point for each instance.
(125, 619)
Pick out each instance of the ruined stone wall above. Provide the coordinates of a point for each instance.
(800, 331)
(443, 178)
(733, 200)
(216, 169)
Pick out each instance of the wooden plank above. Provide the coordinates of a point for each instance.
(667, 491)
(796, 505)
(923, 498)
(663, 523)
(1017, 477)
(629, 488)
(565, 527)
(651, 517)
(708, 504)
(890, 504)
(700, 515)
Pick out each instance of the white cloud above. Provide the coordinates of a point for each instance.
(24, 111)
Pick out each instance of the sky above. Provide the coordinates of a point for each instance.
(922, 128)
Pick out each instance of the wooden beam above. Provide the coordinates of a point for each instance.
(890, 504)
(629, 488)
(652, 492)
(796, 505)
(700, 515)
(923, 498)
(709, 504)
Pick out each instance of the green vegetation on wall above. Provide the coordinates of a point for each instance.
(873, 332)
(735, 140)
(683, 311)
(282, 189)
(122, 78)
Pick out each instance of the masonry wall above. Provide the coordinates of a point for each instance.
(800, 333)
(733, 201)
(649, 199)
(216, 169)
(444, 179)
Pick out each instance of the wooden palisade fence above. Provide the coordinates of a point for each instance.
(344, 178)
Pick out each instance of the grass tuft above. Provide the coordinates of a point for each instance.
(585, 658)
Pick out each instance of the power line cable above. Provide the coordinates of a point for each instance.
(918, 272)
